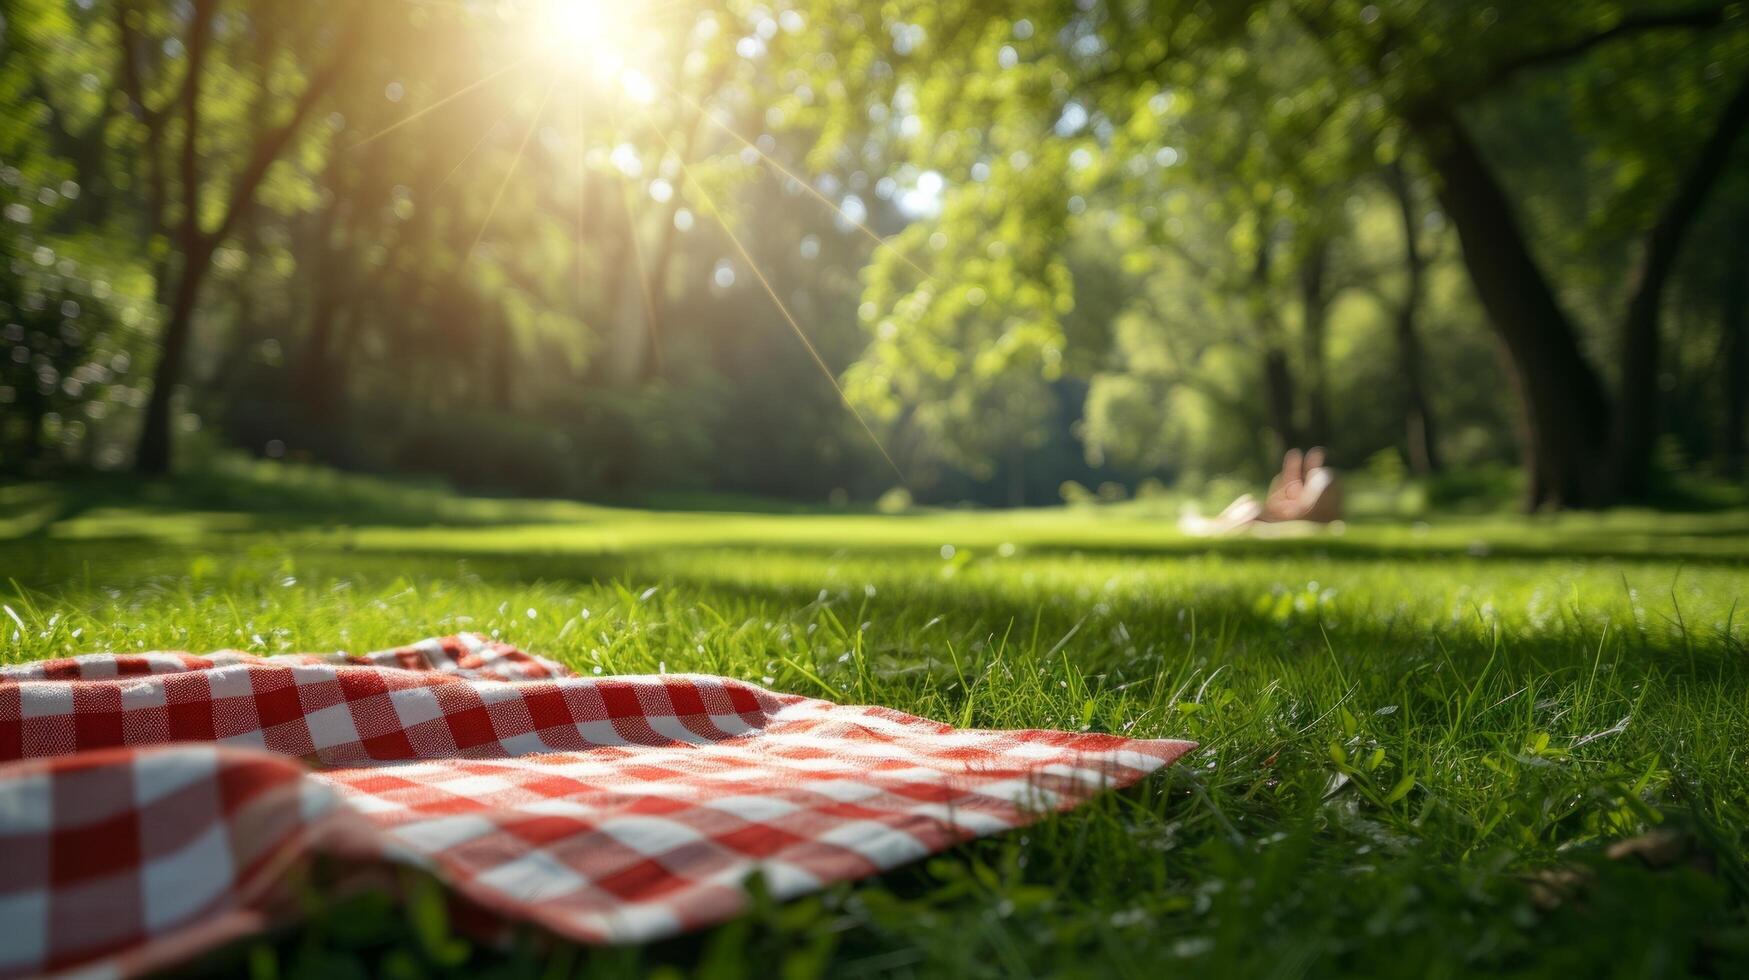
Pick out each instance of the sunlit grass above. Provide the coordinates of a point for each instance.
(1410, 735)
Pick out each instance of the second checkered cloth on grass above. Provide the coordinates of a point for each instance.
(608, 809)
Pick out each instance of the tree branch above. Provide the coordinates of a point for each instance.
(1414, 262)
(151, 118)
(267, 150)
(1633, 24)
(129, 39)
(1123, 70)
(1190, 258)
(1664, 241)
(199, 37)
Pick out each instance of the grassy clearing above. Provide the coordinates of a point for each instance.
(1418, 741)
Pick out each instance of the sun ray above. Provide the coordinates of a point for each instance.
(806, 185)
(440, 103)
(771, 291)
(484, 134)
(515, 162)
(439, 4)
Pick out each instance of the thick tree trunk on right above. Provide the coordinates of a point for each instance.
(1736, 352)
(1636, 429)
(1566, 413)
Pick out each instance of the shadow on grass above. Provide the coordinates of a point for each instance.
(485, 528)
(1239, 618)
(300, 502)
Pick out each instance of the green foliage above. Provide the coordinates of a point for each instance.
(968, 354)
(74, 321)
(1226, 160)
(1105, 241)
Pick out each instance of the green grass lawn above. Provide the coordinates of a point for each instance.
(1418, 742)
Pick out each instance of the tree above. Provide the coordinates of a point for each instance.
(1584, 448)
(1416, 71)
(1736, 354)
(1018, 106)
(212, 198)
(1421, 432)
(194, 106)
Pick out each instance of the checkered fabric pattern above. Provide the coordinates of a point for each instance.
(150, 802)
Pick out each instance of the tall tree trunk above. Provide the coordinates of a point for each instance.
(318, 379)
(621, 313)
(501, 365)
(1421, 433)
(655, 295)
(1735, 323)
(629, 322)
(1278, 392)
(1636, 430)
(153, 456)
(1566, 413)
(33, 405)
(1279, 397)
(1315, 309)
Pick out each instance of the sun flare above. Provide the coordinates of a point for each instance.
(615, 59)
(604, 37)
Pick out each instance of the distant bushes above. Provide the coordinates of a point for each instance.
(1476, 488)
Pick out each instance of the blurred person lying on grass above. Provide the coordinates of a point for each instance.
(1305, 490)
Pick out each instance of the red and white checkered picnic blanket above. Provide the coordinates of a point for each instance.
(150, 803)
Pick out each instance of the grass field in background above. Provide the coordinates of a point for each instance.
(1423, 744)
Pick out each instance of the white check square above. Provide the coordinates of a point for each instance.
(26, 807)
(184, 882)
(442, 833)
(44, 699)
(753, 809)
(145, 693)
(533, 877)
(884, 846)
(416, 705)
(332, 726)
(26, 915)
(650, 836)
(162, 773)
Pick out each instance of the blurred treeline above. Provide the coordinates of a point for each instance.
(1127, 241)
